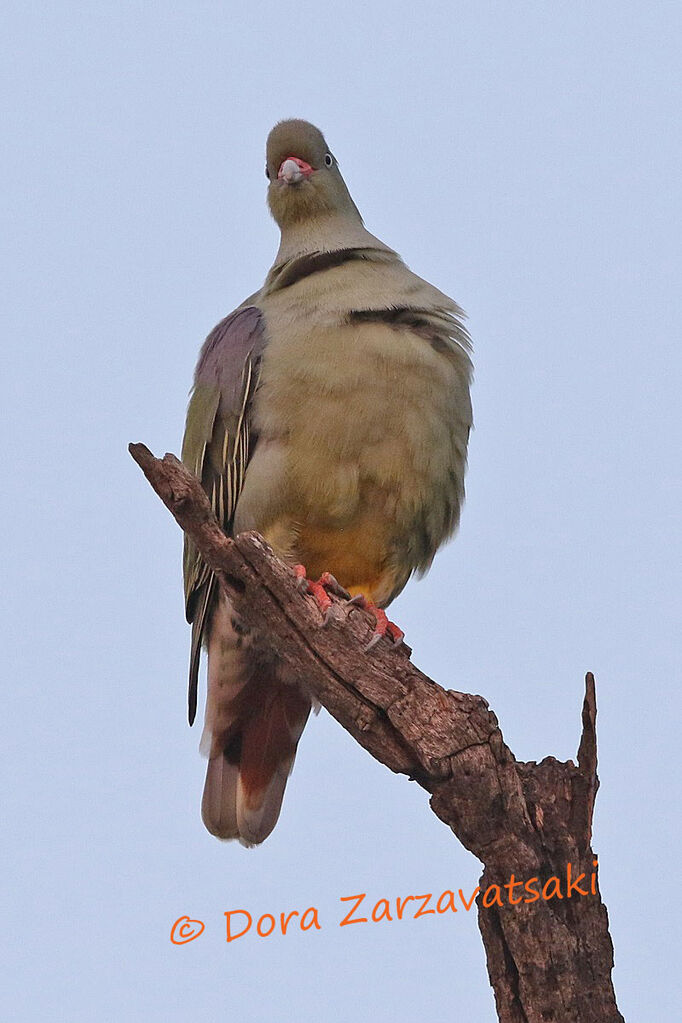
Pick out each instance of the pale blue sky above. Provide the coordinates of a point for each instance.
(524, 158)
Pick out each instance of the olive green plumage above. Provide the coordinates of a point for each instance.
(331, 413)
(216, 448)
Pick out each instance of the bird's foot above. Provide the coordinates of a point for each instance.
(383, 626)
(320, 589)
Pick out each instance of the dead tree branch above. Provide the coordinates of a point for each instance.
(549, 958)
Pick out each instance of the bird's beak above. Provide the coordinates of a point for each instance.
(293, 170)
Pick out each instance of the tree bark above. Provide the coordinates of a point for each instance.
(544, 927)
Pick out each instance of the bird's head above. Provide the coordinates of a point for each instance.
(305, 180)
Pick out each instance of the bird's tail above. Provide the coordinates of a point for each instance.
(253, 724)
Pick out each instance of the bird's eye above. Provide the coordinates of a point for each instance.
(328, 159)
(267, 172)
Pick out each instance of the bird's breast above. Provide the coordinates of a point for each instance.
(360, 458)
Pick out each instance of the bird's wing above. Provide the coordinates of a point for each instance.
(217, 446)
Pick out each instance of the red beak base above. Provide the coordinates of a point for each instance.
(305, 168)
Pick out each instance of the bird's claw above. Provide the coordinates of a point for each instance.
(301, 578)
(332, 614)
(320, 590)
(333, 585)
(327, 584)
(395, 634)
(383, 626)
(376, 637)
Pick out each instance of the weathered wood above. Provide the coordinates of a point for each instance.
(549, 958)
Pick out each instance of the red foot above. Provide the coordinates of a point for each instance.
(318, 589)
(383, 626)
(301, 577)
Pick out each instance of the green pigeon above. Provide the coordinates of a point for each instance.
(331, 413)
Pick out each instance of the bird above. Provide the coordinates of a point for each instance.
(330, 412)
